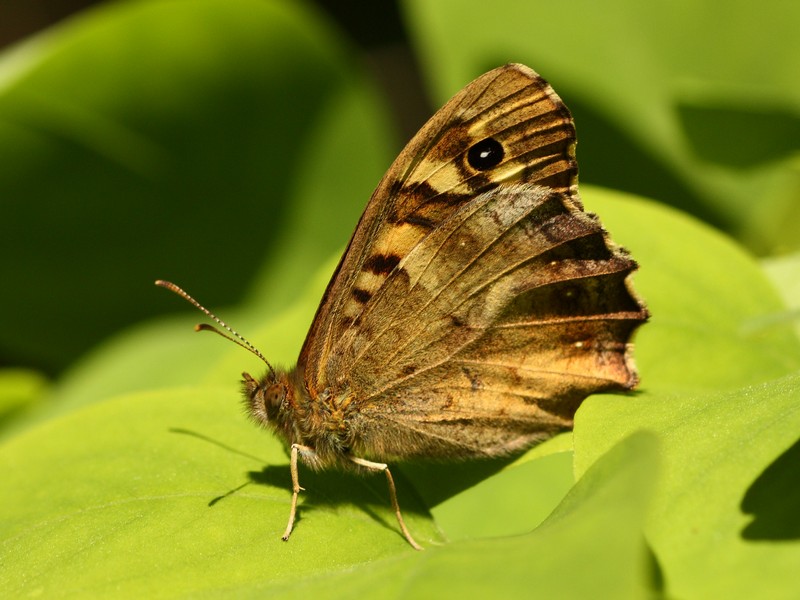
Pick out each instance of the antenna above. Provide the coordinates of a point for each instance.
(235, 337)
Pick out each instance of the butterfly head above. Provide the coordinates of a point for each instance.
(267, 400)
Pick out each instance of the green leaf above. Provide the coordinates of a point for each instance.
(724, 522)
(496, 506)
(597, 528)
(182, 503)
(172, 492)
(720, 381)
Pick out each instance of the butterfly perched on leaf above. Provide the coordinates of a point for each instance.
(475, 307)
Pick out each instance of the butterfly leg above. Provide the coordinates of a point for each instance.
(374, 466)
(296, 449)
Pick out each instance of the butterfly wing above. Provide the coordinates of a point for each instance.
(492, 330)
(430, 181)
(477, 304)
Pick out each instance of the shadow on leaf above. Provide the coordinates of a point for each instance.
(421, 484)
(773, 499)
(217, 443)
(326, 489)
(331, 488)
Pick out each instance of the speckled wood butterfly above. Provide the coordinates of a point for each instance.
(475, 307)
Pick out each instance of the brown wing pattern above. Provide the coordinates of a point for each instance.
(430, 181)
(492, 330)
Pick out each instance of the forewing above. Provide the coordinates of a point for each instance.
(430, 181)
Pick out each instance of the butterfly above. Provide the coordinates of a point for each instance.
(475, 307)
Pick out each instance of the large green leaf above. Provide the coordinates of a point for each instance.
(590, 547)
(181, 502)
(724, 522)
(173, 491)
